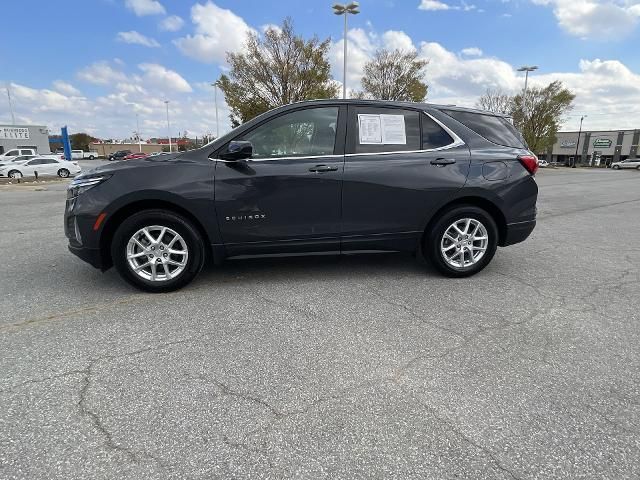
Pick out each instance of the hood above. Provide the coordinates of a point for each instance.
(137, 163)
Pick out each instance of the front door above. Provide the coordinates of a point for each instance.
(286, 197)
(400, 164)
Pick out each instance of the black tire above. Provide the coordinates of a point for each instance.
(616, 167)
(179, 224)
(63, 173)
(91, 157)
(15, 174)
(434, 238)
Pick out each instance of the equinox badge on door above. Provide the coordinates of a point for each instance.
(255, 216)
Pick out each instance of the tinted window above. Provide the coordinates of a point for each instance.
(495, 129)
(48, 161)
(433, 135)
(13, 152)
(297, 134)
(369, 124)
(36, 162)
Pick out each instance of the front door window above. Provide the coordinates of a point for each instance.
(303, 133)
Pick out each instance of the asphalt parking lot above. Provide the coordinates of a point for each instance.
(347, 367)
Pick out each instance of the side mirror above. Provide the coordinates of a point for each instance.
(237, 150)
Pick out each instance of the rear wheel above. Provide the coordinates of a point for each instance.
(63, 172)
(462, 241)
(15, 174)
(157, 251)
(616, 167)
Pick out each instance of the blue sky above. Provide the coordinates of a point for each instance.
(93, 64)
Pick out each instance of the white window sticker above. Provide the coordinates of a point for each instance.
(370, 128)
(382, 129)
(393, 130)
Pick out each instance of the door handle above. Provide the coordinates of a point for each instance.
(441, 162)
(323, 168)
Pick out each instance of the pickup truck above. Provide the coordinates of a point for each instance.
(80, 154)
(15, 152)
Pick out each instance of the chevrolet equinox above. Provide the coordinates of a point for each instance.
(339, 176)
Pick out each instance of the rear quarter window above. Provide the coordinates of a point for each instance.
(494, 128)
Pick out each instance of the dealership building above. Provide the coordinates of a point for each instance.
(593, 147)
(24, 136)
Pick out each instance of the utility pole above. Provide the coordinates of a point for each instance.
(166, 102)
(13, 117)
(215, 99)
(575, 158)
(349, 9)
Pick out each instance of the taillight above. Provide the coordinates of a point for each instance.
(530, 162)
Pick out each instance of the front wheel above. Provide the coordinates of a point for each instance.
(616, 167)
(462, 241)
(63, 173)
(15, 174)
(157, 250)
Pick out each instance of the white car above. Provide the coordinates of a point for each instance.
(628, 163)
(44, 166)
(543, 163)
(18, 159)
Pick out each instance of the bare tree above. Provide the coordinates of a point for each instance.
(274, 70)
(394, 75)
(496, 101)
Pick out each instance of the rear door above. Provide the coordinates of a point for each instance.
(400, 165)
(286, 197)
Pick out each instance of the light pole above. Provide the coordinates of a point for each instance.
(215, 97)
(339, 9)
(575, 158)
(13, 117)
(138, 132)
(526, 69)
(166, 102)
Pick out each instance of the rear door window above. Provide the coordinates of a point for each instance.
(379, 129)
(494, 128)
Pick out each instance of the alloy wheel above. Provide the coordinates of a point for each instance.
(157, 253)
(464, 243)
(15, 174)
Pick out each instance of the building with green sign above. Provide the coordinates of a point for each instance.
(596, 148)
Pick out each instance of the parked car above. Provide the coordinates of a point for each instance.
(543, 163)
(16, 152)
(82, 154)
(133, 156)
(119, 155)
(628, 163)
(339, 176)
(44, 166)
(19, 158)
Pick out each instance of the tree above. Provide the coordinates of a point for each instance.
(276, 69)
(394, 75)
(496, 101)
(539, 114)
(81, 141)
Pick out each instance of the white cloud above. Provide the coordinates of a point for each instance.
(217, 31)
(66, 88)
(162, 78)
(136, 38)
(433, 5)
(471, 52)
(145, 7)
(397, 40)
(172, 23)
(599, 19)
(101, 73)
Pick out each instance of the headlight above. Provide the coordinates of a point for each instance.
(82, 184)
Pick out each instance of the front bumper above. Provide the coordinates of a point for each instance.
(90, 255)
(518, 232)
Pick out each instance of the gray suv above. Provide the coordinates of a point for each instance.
(337, 176)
